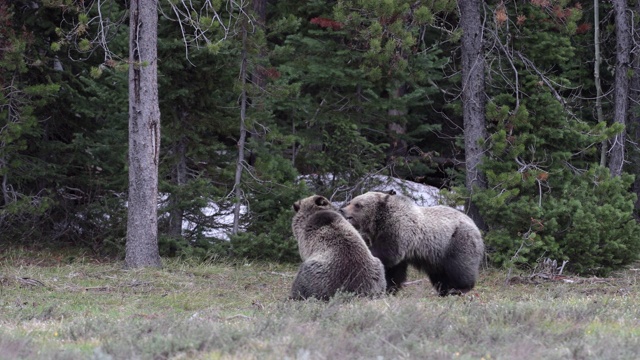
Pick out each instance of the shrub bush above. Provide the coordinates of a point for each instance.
(543, 200)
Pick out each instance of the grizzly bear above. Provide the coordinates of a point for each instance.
(438, 240)
(335, 257)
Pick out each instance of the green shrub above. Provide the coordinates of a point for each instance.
(267, 234)
(546, 200)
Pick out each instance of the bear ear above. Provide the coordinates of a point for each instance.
(321, 201)
(391, 192)
(296, 206)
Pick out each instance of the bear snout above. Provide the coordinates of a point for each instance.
(344, 213)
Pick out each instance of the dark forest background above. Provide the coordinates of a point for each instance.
(332, 91)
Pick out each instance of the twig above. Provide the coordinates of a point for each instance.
(403, 353)
(413, 282)
(30, 282)
(280, 274)
(98, 288)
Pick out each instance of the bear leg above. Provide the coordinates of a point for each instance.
(448, 278)
(458, 276)
(395, 276)
(438, 279)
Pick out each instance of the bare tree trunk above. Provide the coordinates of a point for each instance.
(144, 136)
(243, 135)
(596, 77)
(260, 10)
(634, 122)
(623, 50)
(395, 129)
(179, 178)
(258, 77)
(13, 117)
(5, 186)
(473, 98)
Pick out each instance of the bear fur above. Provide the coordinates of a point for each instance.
(335, 257)
(438, 240)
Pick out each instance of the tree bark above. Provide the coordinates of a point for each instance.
(5, 188)
(623, 50)
(258, 72)
(396, 129)
(596, 77)
(179, 178)
(634, 121)
(144, 136)
(243, 135)
(473, 99)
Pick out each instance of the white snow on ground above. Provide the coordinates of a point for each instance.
(424, 195)
(224, 222)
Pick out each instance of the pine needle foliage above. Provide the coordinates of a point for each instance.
(546, 196)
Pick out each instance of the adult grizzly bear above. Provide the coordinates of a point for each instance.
(335, 257)
(438, 240)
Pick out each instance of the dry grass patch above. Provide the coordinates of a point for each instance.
(238, 310)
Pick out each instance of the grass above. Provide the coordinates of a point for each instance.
(53, 306)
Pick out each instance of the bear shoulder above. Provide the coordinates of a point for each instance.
(323, 218)
(444, 211)
(441, 209)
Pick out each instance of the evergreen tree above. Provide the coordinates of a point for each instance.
(334, 92)
(363, 77)
(30, 90)
(198, 104)
(269, 184)
(546, 195)
(326, 113)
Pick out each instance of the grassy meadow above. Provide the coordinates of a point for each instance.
(59, 306)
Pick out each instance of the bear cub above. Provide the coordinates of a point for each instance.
(439, 240)
(335, 257)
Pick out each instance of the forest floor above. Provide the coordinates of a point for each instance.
(62, 306)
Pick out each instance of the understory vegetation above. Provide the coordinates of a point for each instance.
(67, 305)
(329, 94)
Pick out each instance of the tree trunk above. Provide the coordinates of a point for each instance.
(396, 128)
(473, 99)
(179, 178)
(623, 50)
(144, 136)
(258, 75)
(5, 187)
(243, 135)
(596, 77)
(634, 122)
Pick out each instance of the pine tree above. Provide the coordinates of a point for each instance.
(28, 93)
(197, 100)
(622, 81)
(546, 194)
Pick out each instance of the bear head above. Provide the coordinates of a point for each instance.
(311, 213)
(363, 210)
(308, 206)
(312, 204)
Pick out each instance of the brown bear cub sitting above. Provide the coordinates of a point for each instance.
(438, 240)
(335, 257)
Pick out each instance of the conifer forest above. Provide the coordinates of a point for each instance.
(188, 128)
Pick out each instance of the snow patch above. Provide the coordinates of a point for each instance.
(423, 195)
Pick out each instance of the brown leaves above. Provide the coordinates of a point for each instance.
(326, 23)
(500, 15)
